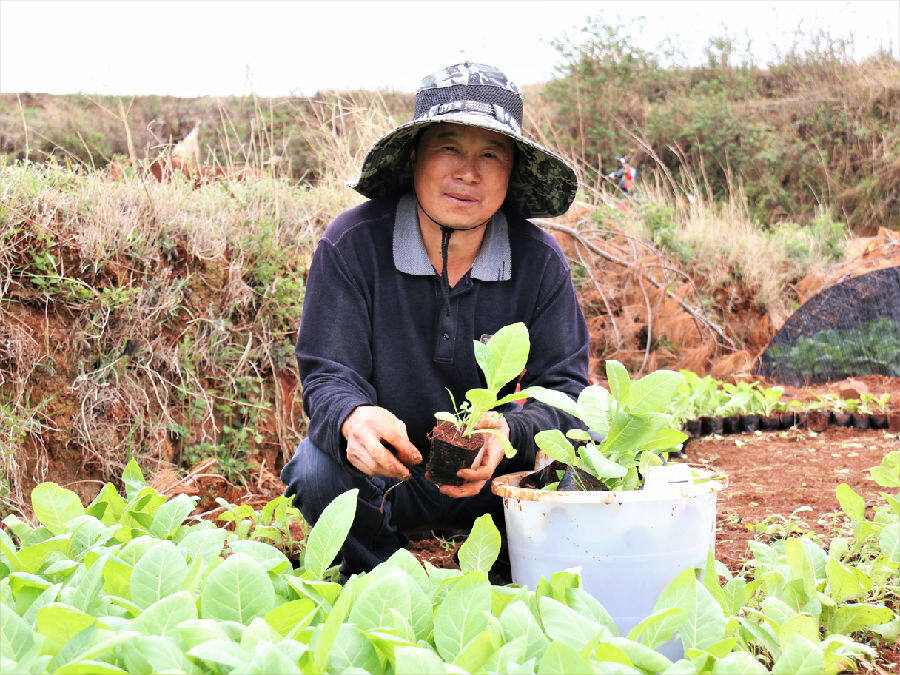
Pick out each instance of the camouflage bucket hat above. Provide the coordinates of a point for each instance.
(542, 184)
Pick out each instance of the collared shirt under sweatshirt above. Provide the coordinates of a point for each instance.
(375, 330)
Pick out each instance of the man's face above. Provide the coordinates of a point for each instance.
(461, 173)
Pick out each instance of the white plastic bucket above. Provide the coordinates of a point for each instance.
(628, 544)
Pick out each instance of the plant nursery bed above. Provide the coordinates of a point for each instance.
(772, 474)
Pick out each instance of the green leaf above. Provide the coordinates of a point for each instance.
(170, 515)
(157, 574)
(89, 667)
(679, 594)
(221, 651)
(417, 661)
(601, 466)
(55, 506)
(482, 400)
(777, 610)
(628, 433)
(88, 585)
(237, 590)
(328, 535)
(45, 598)
(203, 543)
(271, 558)
(887, 474)
(843, 583)
(107, 506)
(641, 655)
(32, 558)
(196, 631)
(738, 663)
(889, 540)
(133, 478)
(565, 625)
(478, 651)
(271, 658)
(619, 381)
(555, 399)
(164, 615)
(852, 617)
(800, 657)
(372, 608)
(653, 392)
(800, 565)
(555, 445)
(512, 652)
(705, 622)
(286, 617)
(596, 407)
(802, 624)
(516, 621)
(852, 504)
(505, 356)
(480, 550)
(16, 636)
(586, 604)
(561, 658)
(352, 649)
(158, 654)
(59, 623)
(462, 614)
(665, 439)
(658, 619)
(70, 651)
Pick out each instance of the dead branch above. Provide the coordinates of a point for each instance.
(697, 314)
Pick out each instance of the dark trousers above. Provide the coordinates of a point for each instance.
(314, 478)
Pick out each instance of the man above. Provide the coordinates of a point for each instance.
(398, 289)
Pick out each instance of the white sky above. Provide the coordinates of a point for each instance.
(281, 48)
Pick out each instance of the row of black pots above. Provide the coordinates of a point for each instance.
(814, 420)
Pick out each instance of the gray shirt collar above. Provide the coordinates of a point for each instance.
(493, 262)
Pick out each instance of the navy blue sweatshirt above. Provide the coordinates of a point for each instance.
(375, 330)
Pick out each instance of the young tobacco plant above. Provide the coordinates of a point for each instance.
(629, 417)
(502, 359)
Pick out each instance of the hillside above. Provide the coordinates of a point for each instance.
(814, 128)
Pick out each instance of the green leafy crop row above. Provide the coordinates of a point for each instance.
(134, 585)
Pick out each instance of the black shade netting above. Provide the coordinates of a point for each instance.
(849, 329)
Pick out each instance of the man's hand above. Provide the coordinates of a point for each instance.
(365, 429)
(485, 463)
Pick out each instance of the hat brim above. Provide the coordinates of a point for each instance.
(542, 183)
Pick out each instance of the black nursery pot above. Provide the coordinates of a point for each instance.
(693, 428)
(576, 479)
(860, 420)
(732, 424)
(817, 420)
(769, 423)
(716, 425)
(750, 422)
(843, 419)
(878, 422)
(787, 420)
(447, 458)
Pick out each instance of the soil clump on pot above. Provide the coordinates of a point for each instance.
(450, 452)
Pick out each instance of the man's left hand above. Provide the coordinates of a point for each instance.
(485, 464)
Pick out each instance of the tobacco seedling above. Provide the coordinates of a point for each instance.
(870, 405)
(630, 419)
(502, 359)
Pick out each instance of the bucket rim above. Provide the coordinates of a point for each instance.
(507, 487)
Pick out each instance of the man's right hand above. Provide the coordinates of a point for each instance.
(365, 429)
